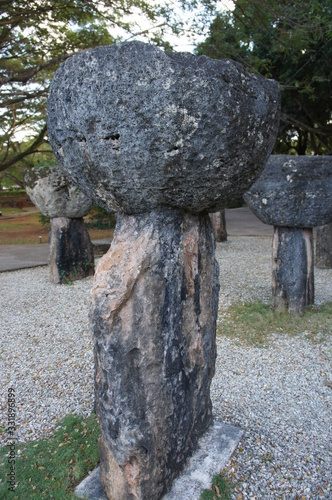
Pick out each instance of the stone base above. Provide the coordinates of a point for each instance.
(215, 449)
(71, 251)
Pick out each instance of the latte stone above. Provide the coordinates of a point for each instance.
(294, 193)
(163, 139)
(71, 252)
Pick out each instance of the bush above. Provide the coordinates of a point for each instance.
(101, 219)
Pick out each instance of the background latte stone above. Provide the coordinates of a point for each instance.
(54, 194)
(293, 191)
(137, 128)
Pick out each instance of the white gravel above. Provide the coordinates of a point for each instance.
(276, 394)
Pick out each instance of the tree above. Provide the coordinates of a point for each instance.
(35, 37)
(290, 41)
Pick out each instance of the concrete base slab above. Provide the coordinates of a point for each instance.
(214, 450)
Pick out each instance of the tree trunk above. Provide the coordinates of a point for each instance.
(292, 269)
(324, 247)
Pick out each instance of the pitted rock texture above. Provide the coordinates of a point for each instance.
(293, 269)
(71, 251)
(137, 128)
(293, 191)
(54, 194)
(153, 318)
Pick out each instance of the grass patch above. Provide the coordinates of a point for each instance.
(253, 322)
(52, 467)
(221, 488)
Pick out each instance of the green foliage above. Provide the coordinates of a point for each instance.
(36, 36)
(45, 221)
(51, 468)
(221, 489)
(101, 219)
(292, 43)
(253, 323)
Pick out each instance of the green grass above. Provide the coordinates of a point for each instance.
(51, 468)
(221, 488)
(252, 323)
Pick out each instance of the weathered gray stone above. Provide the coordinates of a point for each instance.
(293, 191)
(292, 269)
(137, 128)
(324, 247)
(54, 194)
(153, 318)
(218, 221)
(71, 251)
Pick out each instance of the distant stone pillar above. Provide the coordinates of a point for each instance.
(324, 246)
(294, 194)
(71, 252)
(292, 269)
(218, 220)
(151, 135)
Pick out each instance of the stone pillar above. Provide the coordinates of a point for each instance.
(218, 220)
(71, 251)
(324, 246)
(156, 144)
(292, 269)
(153, 318)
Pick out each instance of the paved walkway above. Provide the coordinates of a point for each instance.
(239, 222)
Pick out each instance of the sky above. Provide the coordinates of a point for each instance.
(180, 43)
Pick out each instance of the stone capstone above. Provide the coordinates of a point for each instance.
(293, 191)
(153, 319)
(137, 128)
(71, 252)
(54, 194)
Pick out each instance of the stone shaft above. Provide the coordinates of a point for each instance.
(292, 269)
(71, 252)
(153, 319)
(324, 247)
(218, 221)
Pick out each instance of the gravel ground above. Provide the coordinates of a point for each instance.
(276, 395)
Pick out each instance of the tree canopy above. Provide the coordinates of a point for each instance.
(290, 41)
(35, 37)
